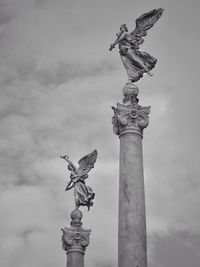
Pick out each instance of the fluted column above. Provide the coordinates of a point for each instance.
(129, 120)
(75, 240)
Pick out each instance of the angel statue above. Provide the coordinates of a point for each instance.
(83, 194)
(137, 62)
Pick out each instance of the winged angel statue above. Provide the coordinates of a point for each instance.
(137, 62)
(83, 194)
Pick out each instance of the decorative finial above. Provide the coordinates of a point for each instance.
(130, 92)
(130, 116)
(75, 238)
(76, 216)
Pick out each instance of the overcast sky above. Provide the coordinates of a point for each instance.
(58, 81)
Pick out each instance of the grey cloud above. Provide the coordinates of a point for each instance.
(5, 15)
(66, 72)
(40, 3)
(59, 74)
(179, 249)
(104, 265)
(25, 233)
(172, 168)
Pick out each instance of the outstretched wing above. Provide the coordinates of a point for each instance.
(87, 163)
(143, 24)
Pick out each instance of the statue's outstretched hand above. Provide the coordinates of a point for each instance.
(64, 157)
(68, 187)
(111, 47)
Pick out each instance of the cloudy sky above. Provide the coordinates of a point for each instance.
(58, 81)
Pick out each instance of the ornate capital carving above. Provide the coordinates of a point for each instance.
(75, 238)
(130, 116)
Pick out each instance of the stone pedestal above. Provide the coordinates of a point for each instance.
(75, 240)
(129, 120)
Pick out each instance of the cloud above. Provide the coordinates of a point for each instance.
(65, 72)
(6, 15)
(58, 74)
(171, 170)
(179, 249)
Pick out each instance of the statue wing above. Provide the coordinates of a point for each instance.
(87, 163)
(143, 24)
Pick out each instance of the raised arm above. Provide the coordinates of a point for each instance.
(69, 186)
(120, 37)
(69, 161)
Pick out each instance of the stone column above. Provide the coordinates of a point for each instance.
(75, 240)
(129, 120)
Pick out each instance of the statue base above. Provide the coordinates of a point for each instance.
(75, 240)
(130, 117)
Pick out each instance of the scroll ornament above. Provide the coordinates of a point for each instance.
(130, 117)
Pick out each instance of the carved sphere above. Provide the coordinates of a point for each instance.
(130, 89)
(76, 215)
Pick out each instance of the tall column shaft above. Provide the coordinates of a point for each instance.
(129, 120)
(75, 259)
(132, 221)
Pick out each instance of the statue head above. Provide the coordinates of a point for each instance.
(123, 28)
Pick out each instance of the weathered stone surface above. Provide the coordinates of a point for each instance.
(132, 225)
(75, 240)
(75, 259)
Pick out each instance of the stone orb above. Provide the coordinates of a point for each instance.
(76, 215)
(130, 89)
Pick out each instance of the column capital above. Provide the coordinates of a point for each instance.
(130, 117)
(75, 238)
